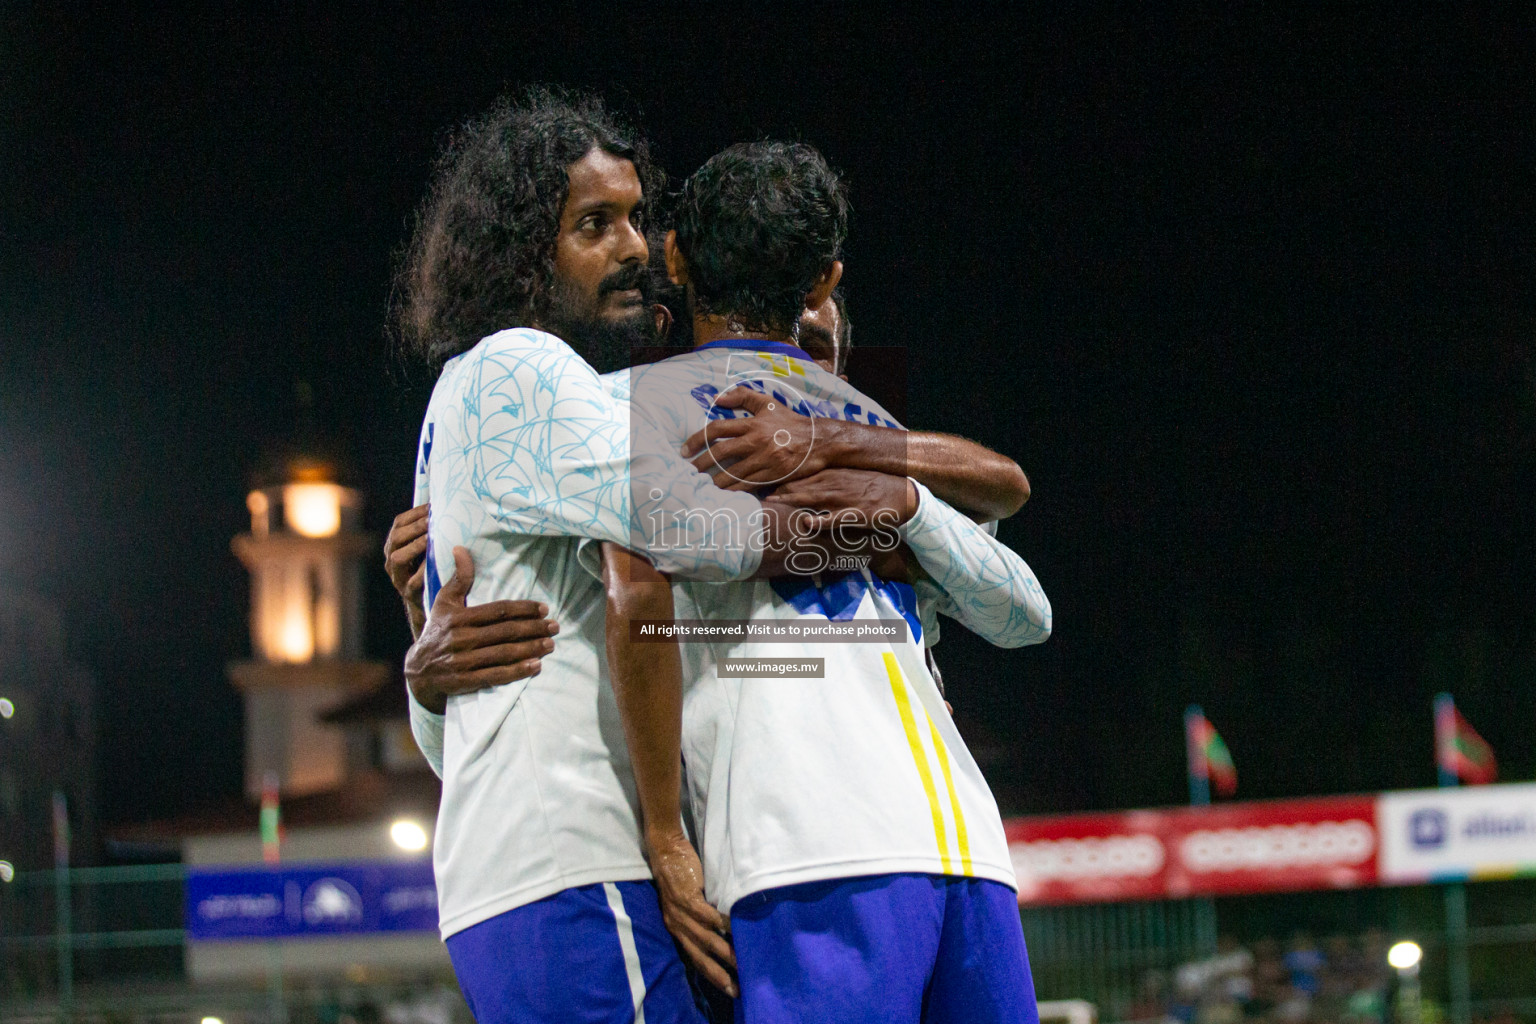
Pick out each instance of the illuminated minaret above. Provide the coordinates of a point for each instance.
(305, 554)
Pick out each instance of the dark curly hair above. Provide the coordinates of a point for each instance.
(481, 257)
(757, 224)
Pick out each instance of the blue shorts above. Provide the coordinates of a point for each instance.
(597, 954)
(903, 949)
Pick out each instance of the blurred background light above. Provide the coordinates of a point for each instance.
(7, 872)
(312, 510)
(1404, 955)
(7, 709)
(408, 835)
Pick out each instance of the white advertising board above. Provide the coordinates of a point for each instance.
(1461, 832)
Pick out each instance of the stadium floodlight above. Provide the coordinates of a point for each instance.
(7, 872)
(1405, 956)
(408, 835)
(7, 709)
(212, 1020)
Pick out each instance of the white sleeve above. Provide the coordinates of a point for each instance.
(555, 454)
(985, 585)
(931, 600)
(428, 730)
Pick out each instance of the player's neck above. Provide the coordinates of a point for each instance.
(708, 328)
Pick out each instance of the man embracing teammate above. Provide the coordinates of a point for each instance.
(535, 222)
(843, 825)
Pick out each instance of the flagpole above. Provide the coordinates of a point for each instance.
(271, 829)
(62, 906)
(1199, 771)
(1458, 965)
(1445, 737)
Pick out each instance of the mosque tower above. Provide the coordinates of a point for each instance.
(305, 554)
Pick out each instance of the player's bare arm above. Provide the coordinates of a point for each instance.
(464, 649)
(775, 445)
(648, 686)
(404, 561)
(818, 521)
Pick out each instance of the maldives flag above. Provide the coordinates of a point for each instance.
(1459, 750)
(1209, 758)
(271, 819)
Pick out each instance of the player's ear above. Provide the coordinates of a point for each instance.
(677, 267)
(821, 291)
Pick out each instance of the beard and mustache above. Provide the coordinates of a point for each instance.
(603, 342)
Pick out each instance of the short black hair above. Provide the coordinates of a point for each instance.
(757, 225)
(481, 257)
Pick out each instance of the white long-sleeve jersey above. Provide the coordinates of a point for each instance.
(860, 771)
(898, 793)
(523, 453)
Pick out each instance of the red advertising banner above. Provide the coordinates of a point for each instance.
(1227, 849)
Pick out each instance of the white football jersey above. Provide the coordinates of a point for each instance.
(523, 453)
(860, 771)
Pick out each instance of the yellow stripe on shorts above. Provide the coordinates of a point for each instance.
(954, 800)
(909, 725)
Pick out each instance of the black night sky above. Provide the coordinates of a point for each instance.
(1249, 297)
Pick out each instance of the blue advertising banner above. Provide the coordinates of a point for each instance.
(310, 899)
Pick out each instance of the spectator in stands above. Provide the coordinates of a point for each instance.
(1304, 963)
(1271, 984)
(1346, 981)
(1375, 973)
(1373, 980)
(1151, 1002)
(1218, 988)
(1338, 977)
